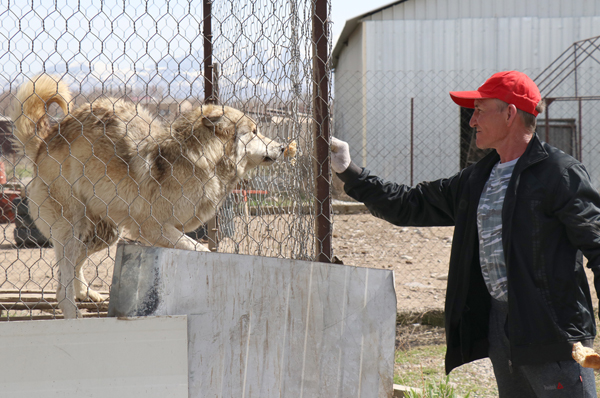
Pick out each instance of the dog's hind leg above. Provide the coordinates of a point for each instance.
(77, 242)
(52, 219)
(69, 251)
(100, 234)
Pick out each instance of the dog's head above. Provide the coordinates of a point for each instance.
(240, 137)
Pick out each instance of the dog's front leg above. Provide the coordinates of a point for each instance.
(65, 293)
(186, 243)
(170, 237)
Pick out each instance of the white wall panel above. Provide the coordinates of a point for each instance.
(589, 27)
(490, 43)
(409, 9)
(411, 43)
(453, 9)
(449, 40)
(590, 7)
(430, 9)
(450, 9)
(352, 56)
(138, 357)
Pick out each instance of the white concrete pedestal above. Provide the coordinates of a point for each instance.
(267, 327)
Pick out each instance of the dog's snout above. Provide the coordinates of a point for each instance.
(282, 148)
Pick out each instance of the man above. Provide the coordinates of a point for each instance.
(517, 290)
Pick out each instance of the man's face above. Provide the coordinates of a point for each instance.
(490, 123)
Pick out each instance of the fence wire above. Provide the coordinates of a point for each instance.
(150, 55)
(404, 127)
(401, 125)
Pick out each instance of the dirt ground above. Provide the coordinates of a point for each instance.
(417, 256)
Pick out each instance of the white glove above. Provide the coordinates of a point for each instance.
(340, 155)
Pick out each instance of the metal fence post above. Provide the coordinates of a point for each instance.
(321, 77)
(212, 227)
(208, 50)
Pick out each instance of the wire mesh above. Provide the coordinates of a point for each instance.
(404, 127)
(150, 55)
(401, 125)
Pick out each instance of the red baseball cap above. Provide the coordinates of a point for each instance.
(511, 87)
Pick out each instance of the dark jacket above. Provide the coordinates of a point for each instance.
(550, 212)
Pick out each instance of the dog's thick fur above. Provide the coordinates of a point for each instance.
(110, 168)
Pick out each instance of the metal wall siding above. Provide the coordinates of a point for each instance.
(485, 45)
(451, 9)
(427, 54)
(411, 44)
(450, 41)
(351, 58)
(474, 43)
(409, 9)
(591, 7)
(388, 13)
(430, 9)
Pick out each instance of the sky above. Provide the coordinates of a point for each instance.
(342, 10)
(116, 43)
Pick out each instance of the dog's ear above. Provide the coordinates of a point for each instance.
(211, 115)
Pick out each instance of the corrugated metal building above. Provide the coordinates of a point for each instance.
(394, 67)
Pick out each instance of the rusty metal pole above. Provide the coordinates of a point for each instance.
(212, 226)
(208, 51)
(547, 120)
(321, 75)
(578, 149)
(412, 141)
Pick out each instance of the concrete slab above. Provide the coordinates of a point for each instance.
(137, 357)
(267, 327)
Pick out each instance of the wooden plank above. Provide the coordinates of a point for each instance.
(42, 305)
(39, 292)
(267, 327)
(27, 298)
(49, 317)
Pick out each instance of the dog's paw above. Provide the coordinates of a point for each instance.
(90, 295)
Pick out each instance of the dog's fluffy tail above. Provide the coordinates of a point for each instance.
(29, 111)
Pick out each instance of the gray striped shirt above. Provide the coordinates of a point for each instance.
(489, 226)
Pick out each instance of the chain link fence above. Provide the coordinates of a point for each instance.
(152, 55)
(404, 127)
(152, 62)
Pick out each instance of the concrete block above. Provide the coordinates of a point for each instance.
(267, 327)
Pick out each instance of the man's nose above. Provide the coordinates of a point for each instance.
(473, 121)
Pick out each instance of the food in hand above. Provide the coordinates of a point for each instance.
(585, 356)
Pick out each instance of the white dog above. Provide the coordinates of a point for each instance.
(110, 168)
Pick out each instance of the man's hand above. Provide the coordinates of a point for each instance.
(340, 155)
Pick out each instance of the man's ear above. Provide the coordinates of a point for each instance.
(511, 114)
(211, 115)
